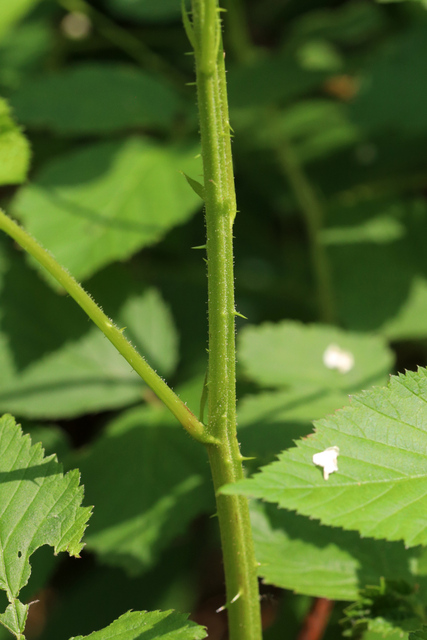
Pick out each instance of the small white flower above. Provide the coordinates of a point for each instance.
(336, 358)
(328, 459)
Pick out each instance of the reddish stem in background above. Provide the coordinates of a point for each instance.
(316, 620)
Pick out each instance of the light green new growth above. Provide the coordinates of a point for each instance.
(110, 330)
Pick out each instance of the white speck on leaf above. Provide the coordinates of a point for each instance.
(336, 358)
(328, 459)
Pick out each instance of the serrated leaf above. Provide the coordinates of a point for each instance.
(165, 479)
(117, 97)
(270, 422)
(14, 149)
(58, 364)
(107, 201)
(147, 625)
(290, 353)
(296, 553)
(39, 506)
(380, 488)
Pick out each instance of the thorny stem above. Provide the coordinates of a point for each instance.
(110, 330)
(242, 604)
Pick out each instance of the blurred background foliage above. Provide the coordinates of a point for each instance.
(328, 104)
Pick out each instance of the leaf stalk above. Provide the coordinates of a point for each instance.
(179, 409)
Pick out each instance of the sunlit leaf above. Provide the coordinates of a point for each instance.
(380, 488)
(147, 625)
(14, 149)
(107, 201)
(290, 353)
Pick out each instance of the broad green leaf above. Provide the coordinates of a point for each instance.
(296, 553)
(107, 201)
(148, 625)
(147, 10)
(164, 476)
(290, 353)
(116, 97)
(23, 51)
(390, 278)
(380, 488)
(352, 23)
(14, 149)
(270, 422)
(11, 12)
(392, 93)
(261, 82)
(59, 364)
(39, 506)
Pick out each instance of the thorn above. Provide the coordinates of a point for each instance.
(190, 84)
(236, 313)
(201, 246)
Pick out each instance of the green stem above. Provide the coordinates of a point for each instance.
(220, 203)
(313, 214)
(110, 330)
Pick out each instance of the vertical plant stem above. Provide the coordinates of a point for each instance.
(312, 210)
(225, 459)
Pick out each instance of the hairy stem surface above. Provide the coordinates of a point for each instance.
(220, 203)
(110, 330)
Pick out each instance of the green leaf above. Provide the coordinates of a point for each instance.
(420, 634)
(260, 82)
(380, 488)
(23, 50)
(390, 278)
(14, 149)
(107, 201)
(391, 606)
(143, 625)
(116, 97)
(11, 12)
(164, 476)
(40, 506)
(60, 365)
(290, 353)
(296, 553)
(271, 422)
(392, 92)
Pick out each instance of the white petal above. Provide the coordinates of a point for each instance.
(336, 358)
(328, 459)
